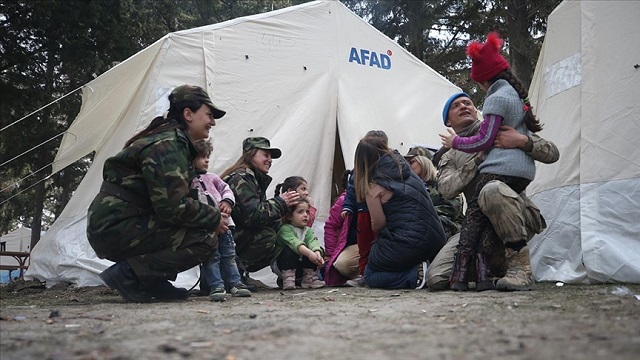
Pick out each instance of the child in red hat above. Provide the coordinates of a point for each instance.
(506, 103)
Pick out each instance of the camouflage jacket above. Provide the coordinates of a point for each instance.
(157, 167)
(457, 169)
(449, 208)
(449, 211)
(252, 209)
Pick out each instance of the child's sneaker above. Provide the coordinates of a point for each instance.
(310, 280)
(357, 281)
(289, 279)
(422, 274)
(218, 294)
(240, 290)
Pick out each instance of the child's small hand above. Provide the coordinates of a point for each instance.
(447, 139)
(313, 257)
(223, 227)
(344, 213)
(225, 207)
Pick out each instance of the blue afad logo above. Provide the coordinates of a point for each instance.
(371, 58)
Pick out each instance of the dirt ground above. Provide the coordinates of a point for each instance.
(568, 322)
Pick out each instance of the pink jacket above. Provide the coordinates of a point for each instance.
(212, 187)
(336, 230)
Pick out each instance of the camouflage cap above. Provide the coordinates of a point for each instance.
(194, 93)
(260, 143)
(419, 151)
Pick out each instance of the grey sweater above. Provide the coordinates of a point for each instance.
(503, 100)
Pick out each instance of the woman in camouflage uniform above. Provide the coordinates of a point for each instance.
(257, 218)
(144, 218)
(449, 211)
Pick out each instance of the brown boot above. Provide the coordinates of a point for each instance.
(483, 279)
(289, 279)
(310, 280)
(518, 277)
(461, 261)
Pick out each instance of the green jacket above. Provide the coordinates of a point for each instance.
(252, 209)
(293, 237)
(157, 168)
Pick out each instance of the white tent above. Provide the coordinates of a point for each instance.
(586, 89)
(303, 76)
(17, 240)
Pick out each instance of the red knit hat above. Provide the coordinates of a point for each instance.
(486, 61)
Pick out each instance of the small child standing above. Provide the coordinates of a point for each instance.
(299, 185)
(297, 247)
(221, 268)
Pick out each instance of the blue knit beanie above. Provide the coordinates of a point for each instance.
(447, 105)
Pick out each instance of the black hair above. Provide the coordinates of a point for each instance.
(290, 183)
(174, 119)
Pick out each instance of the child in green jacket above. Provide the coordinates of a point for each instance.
(297, 247)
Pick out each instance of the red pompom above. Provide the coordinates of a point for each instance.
(473, 50)
(494, 39)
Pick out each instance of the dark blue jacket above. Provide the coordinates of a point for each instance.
(413, 232)
(350, 204)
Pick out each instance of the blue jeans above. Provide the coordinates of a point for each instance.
(222, 268)
(391, 280)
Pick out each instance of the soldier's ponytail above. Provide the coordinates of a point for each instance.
(173, 119)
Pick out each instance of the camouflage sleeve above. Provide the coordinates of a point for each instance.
(165, 169)
(543, 150)
(450, 209)
(453, 179)
(251, 209)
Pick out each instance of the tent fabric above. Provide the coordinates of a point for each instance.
(585, 90)
(17, 240)
(298, 76)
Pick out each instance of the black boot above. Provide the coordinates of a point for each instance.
(483, 278)
(161, 289)
(121, 278)
(461, 261)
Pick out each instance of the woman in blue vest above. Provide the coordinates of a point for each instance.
(409, 231)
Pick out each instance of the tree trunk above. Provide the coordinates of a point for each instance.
(38, 205)
(519, 40)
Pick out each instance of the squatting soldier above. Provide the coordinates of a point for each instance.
(513, 216)
(257, 218)
(144, 218)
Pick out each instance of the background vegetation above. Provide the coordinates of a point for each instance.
(50, 48)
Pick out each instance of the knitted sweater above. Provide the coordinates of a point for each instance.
(503, 100)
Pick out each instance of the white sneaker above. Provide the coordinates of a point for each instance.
(357, 281)
(422, 274)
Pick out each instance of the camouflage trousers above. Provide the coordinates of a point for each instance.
(255, 247)
(152, 248)
(477, 234)
(514, 217)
